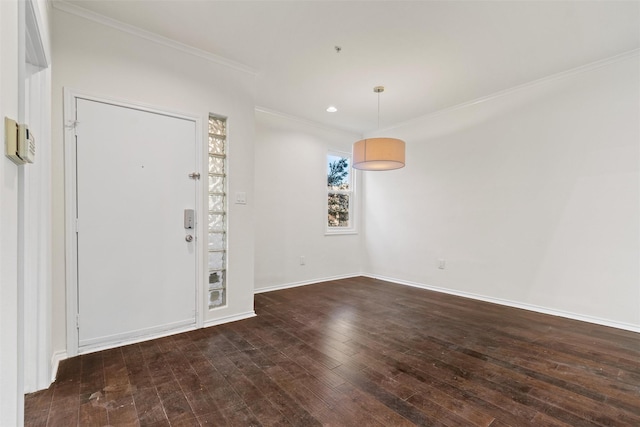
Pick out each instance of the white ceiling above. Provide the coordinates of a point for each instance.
(429, 55)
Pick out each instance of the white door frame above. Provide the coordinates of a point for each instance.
(34, 199)
(71, 237)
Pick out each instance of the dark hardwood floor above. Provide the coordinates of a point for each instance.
(358, 352)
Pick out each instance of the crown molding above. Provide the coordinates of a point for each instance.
(544, 80)
(505, 92)
(148, 35)
(302, 121)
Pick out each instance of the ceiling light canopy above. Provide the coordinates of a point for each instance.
(378, 154)
(331, 109)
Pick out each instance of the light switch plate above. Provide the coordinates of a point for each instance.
(241, 198)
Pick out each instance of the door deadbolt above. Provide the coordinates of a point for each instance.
(189, 219)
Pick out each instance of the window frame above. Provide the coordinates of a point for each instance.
(352, 193)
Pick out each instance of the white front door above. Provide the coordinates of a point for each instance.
(136, 269)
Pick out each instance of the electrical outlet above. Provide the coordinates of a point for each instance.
(441, 263)
(302, 261)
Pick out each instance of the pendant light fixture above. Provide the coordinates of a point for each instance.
(378, 154)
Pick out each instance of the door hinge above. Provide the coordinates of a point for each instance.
(194, 175)
(77, 225)
(77, 321)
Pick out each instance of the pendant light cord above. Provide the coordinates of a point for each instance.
(378, 110)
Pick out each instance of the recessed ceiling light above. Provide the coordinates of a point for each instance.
(331, 109)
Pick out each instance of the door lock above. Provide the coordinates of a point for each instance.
(188, 238)
(189, 219)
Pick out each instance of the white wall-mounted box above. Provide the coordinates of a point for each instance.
(20, 145)
(11, 141)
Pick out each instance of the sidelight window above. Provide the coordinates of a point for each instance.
(217, 224)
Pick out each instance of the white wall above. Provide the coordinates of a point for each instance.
(531, 197)
(24, 217)
(104, 61)
(290, 200)
(11, 405)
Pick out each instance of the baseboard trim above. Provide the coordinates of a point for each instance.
(305, 283)
(56, 358)
(116, 340)
(135, 339)
(61, 355)
(228, 319)
(514, 304)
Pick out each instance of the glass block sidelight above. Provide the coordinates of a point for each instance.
(217, 126)
(217, 225)
(216, 184)
(216, 203)
(217, 241)
(217, 280)
(216, 222)
(217, 298)
(216, 165)
(216, 260)
(216, 144)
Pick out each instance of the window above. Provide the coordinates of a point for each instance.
(340, 194)
(217, 225)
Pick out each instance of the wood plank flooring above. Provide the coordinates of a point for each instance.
(358, 352)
